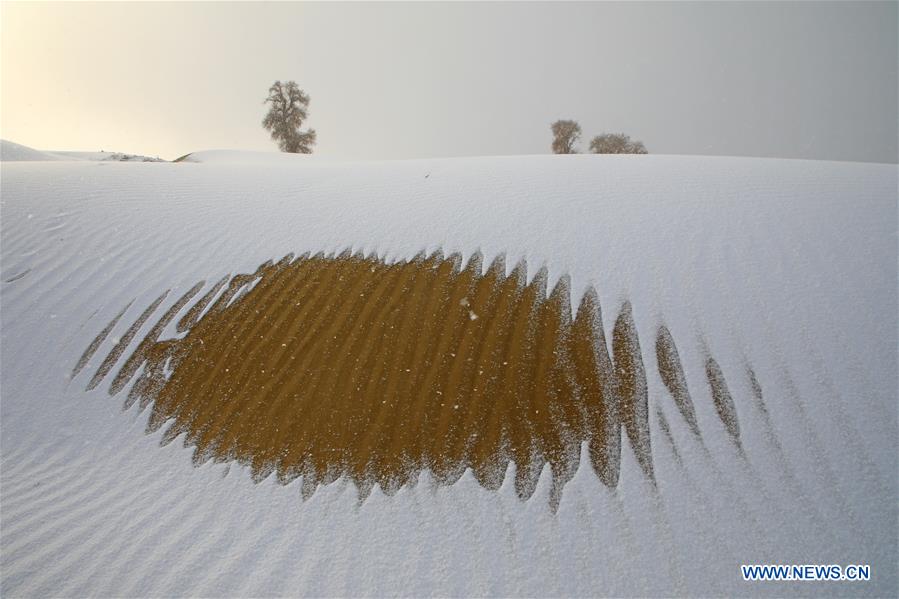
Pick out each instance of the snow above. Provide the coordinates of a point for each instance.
(11, 151)
(107, 156)
(243, 157)
(787, 266)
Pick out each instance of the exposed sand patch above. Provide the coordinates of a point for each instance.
(330, 366)
(672, 374)
(724, 402)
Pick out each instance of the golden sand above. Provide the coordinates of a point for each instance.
(330, 366)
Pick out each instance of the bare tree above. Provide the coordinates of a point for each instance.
(289, 106)
(565, 135)
(616, 143)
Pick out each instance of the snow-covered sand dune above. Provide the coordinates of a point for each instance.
(13, 152)
(787, 268)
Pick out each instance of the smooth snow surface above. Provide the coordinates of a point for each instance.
(10, 151)
(13, 152)
(256, 158)
(785, 267)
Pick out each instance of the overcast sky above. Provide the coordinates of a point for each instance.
(407, 80)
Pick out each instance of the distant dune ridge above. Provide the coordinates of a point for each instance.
(10, 151)
(13, 152)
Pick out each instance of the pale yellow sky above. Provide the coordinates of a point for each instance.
(807, 80)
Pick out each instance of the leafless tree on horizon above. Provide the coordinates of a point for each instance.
(566, 133)
(616, 143)
(289, 108)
